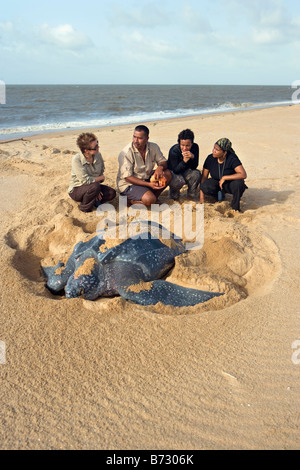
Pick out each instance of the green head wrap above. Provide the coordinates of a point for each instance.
(225, 145)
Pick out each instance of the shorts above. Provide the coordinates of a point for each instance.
(135, 192)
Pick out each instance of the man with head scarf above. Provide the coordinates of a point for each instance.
(227, 174)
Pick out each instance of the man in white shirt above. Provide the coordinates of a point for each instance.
(137, 179)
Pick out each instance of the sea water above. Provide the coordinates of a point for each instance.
(34, 109)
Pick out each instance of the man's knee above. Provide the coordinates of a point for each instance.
(210, 186)
(193, 177)
(94, 189)
(237, 186)
(109, 194)
(149, 198)
(168, 175)
(177, 182)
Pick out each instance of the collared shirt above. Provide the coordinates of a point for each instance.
(131, 163)
(83, 172)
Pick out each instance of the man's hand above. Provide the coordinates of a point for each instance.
(187, 156)
(100, 179)
(159, 172)
(158, 180)
(221, 182)
(153, 184)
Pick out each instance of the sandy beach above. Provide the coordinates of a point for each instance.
(111, 374)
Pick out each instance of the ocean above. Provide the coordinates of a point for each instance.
(34, 109)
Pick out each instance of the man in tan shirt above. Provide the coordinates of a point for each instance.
(136, 177)
(87, 175)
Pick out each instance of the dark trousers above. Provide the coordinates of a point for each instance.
(87, 195)
(190, 177)
(211, 187)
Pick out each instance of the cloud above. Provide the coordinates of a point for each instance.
(276, 17)
(64, 37)
(285, 33)
(147, 15)
(13, 39)
(142, 46)
(268, 36)
(32, 38)
(44, 53)
(268, 21)
(7, 32)
(195, 20)
(6, 27)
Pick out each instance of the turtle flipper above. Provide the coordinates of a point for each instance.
(88, 279)
(150, 293)
(57, 276)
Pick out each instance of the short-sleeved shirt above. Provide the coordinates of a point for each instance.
(131, 163)
(83, 172)
(217, 170)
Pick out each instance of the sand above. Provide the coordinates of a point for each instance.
(110, 374)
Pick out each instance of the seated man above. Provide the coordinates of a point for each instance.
(183, 161)
(87, 175)
(136, 177)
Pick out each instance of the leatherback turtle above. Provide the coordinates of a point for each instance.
(132, 269)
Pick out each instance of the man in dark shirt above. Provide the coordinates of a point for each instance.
(183, 161)
(227, 174)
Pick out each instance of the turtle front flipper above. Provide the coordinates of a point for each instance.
(88, 279)
(150, 293)
(57, 276)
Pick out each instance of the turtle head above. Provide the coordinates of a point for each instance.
(88, 281)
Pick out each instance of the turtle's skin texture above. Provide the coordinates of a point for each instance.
(132, 269)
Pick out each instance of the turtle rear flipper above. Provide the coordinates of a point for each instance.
(150, 293)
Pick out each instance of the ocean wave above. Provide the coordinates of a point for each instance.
(104, 121)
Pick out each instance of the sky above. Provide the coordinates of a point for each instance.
(192, 42)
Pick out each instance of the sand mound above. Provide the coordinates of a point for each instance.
(234, 259)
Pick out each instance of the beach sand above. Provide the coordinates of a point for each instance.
(110, 374)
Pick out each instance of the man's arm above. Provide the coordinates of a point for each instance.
(161, 167)
(140, 182)
(175, 160)
(240, 174)
(194, 162)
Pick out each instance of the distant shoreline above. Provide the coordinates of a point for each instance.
(43, 109)
(205, 115)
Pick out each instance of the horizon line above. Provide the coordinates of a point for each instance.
(138, 84)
